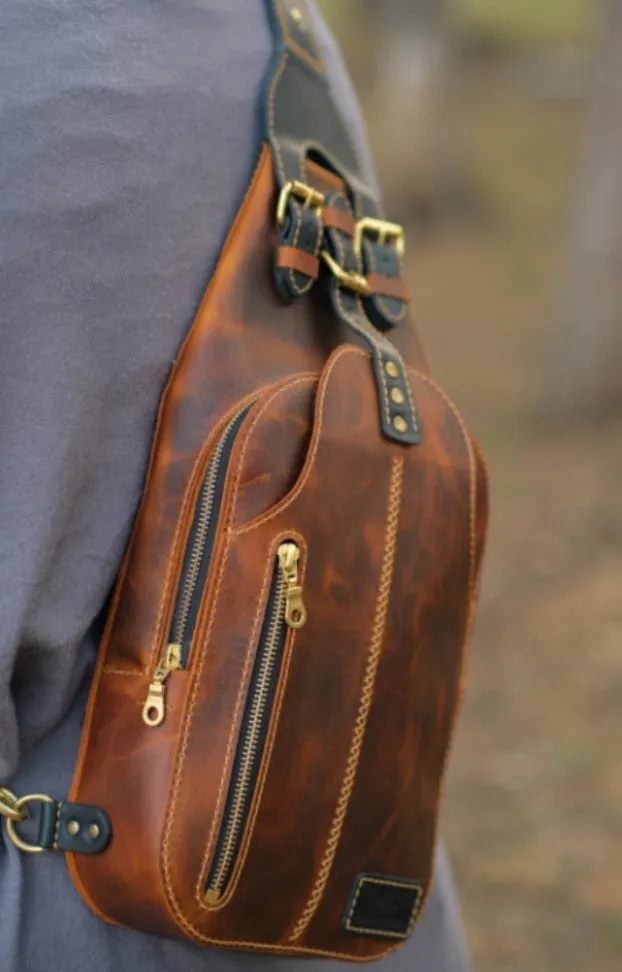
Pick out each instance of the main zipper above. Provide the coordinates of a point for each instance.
(194, 571)
(285, 609)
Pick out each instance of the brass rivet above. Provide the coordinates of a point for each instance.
(94, 831)
(400, 424)
(391, 369)
(73, 828)
(397, 396)
(296, 16)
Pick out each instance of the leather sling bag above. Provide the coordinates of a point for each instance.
(272, 709)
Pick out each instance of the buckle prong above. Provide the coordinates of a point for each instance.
(312, 198)
(353, 281)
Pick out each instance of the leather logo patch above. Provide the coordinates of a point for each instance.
(383, 906)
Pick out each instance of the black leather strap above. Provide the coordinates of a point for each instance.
(302, 123)
(73, 827)
(398, 413)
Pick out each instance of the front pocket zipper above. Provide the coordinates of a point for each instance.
(194, 572)
(285, 609)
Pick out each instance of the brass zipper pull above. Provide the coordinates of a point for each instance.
(154, 708)
(295, 610)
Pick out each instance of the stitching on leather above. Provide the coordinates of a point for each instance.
(269, 746)
(366, 698)
(387, 884)
(230, 751)
(315, 63)
(271, 115)
(206, 638)
(57, 826)
(111, 670)
(175, 908)
(174, 558)
(306, 287)
(236, 477)
(306, 472)
(473, 584)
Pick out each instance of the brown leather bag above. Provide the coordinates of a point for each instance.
(277, 686)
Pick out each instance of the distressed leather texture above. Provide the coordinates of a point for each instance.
(391, 540)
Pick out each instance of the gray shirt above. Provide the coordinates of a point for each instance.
(128, 134)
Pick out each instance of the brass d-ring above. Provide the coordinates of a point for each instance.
(7, 806)
(10, 822)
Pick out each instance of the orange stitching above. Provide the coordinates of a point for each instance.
(387, 884)
(472, 593)
(252, 643)
(235, 479)
(306, 472)
(250, 826)
(365, 702)
(111, 670)
(229, 753)
(200, 664)
(181, 524)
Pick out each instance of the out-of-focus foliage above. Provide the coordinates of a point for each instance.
(506, 21)
(534, 800)
(528, 21)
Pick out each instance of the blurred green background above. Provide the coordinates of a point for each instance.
(502, 156)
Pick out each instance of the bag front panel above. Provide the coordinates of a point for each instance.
(355, 708)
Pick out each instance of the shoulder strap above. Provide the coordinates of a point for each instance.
(343, 229)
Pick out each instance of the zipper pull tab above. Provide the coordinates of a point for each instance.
(295, 610)
(154, 708)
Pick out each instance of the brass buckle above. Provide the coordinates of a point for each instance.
(15, 810)
(386, 232)
(312, 198)
(353, 281)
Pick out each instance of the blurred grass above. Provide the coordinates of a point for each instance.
(529, 21)
(510, 22)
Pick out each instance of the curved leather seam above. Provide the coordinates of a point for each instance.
(470, 608)
(184, 523)
(193, 330)
(394, 502)
(178, 914)
(312, 453)
(205, 636)
(235, 723)
(180, 762)
(270, 741)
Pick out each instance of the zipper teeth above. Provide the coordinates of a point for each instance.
(243, 779)
(208, 491)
